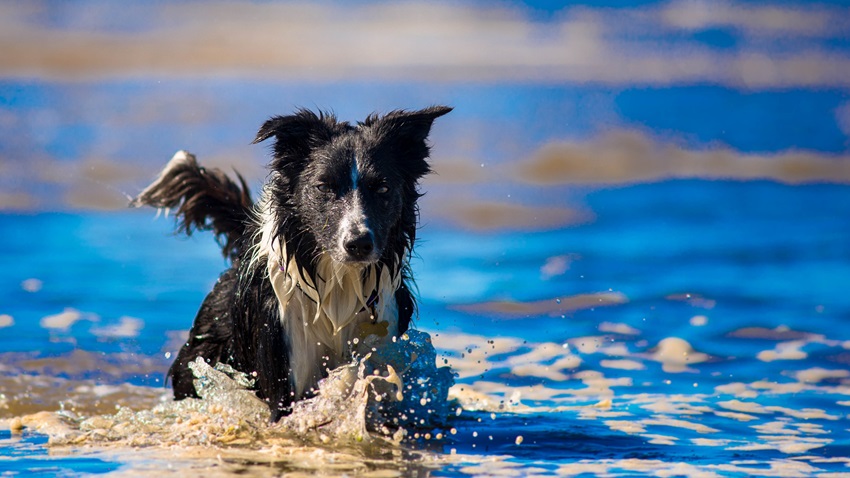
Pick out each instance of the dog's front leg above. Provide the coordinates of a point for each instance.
(260, 348)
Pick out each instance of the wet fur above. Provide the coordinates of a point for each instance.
(298, 293)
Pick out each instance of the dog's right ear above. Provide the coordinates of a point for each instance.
(295, 135)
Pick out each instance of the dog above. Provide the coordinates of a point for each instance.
(319, 264)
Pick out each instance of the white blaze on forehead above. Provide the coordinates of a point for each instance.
(355, 172)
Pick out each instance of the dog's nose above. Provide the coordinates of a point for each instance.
(360, 247)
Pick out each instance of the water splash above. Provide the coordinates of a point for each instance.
(389, 393)
(386, 396)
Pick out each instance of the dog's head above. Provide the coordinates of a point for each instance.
(348, 190)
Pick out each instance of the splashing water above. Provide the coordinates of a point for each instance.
(389, 392)
(386, 396)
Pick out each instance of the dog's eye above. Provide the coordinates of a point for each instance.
(324, 187)
(382, 189)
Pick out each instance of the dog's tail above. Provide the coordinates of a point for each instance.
(205, 199)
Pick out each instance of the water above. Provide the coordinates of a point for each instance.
(688, 327)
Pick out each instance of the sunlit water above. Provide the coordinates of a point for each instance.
(691, 328)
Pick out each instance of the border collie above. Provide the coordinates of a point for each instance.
(319, 264)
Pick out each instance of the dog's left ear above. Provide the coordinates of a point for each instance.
(406, 132)
(413, 125)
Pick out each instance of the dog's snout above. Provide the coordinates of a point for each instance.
(360, 247)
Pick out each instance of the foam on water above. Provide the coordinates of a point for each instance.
(387, 396)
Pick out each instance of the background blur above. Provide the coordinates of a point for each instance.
(638, 202)
(551, 100)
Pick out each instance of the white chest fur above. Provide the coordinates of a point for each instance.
(324, 323)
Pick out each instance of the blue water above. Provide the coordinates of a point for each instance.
(753, 275)
(27, 455)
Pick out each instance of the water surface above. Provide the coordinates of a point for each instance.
(685, 327)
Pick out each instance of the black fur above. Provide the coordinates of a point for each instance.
(206, 199)
(310, 195)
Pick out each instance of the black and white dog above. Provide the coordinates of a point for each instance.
(320, 262)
